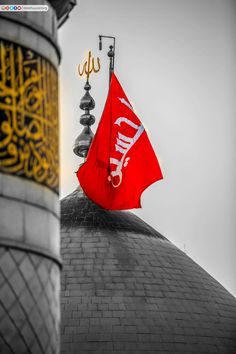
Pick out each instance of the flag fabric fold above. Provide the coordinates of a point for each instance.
(121, 162)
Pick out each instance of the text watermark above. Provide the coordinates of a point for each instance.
(22, 8)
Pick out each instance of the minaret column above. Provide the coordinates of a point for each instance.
(29, 166)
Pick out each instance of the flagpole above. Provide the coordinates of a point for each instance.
(110, 54)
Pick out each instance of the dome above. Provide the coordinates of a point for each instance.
(127, 289)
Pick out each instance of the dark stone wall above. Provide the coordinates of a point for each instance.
(127, 292)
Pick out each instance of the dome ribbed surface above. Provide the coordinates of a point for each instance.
(127, 289)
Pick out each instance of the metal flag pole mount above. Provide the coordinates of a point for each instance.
(111, 53)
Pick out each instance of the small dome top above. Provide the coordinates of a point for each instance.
(77, 210)
(126, 289)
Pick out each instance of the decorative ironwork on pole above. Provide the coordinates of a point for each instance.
(87, 103)
(111, 53)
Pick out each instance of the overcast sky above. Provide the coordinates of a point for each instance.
(176, 62)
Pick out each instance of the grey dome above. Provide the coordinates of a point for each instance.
(127, 289)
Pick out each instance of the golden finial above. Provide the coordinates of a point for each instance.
(89, 66)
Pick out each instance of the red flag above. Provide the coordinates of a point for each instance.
(121, 162)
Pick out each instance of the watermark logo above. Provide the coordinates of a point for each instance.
(23, 8)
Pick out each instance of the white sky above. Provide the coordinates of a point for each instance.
(176, 62)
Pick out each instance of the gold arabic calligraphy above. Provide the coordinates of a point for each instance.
(28, 115)
(89, 66)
